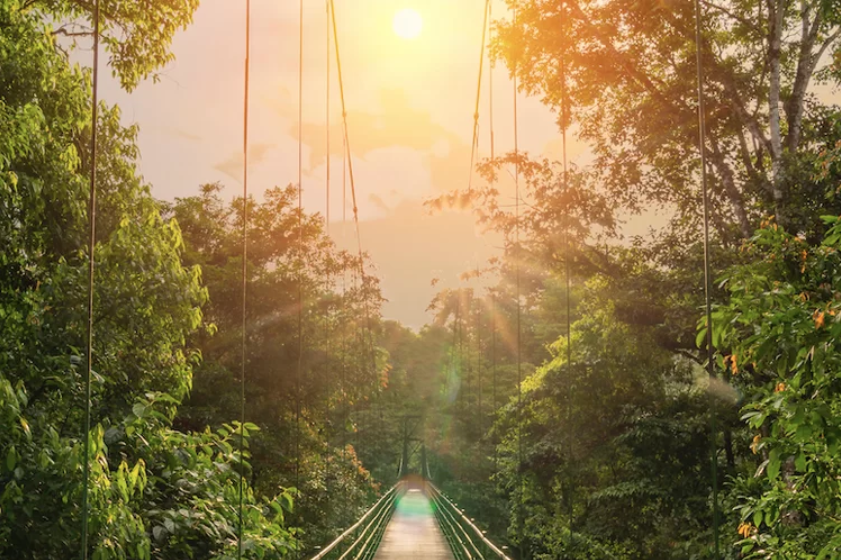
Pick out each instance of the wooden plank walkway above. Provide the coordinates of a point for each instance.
(413, 532)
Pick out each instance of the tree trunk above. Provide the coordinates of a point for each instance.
(776, 10)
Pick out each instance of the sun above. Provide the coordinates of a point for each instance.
(408, 23)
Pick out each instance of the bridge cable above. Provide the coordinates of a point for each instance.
(707, 276)
(517, 275)
(461, 364)
(345, 402)
(469, 360)
(479, 362)
(300, 259)
(244, 272)
(328, 270)
(474, 144)
(453, 373)
(493, 366)
(568, 275)
(517, 233)
(493, 157)
(349, 161)
(491, 80)
(327, 126)
(91, 269)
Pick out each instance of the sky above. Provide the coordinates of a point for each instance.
(410, 107)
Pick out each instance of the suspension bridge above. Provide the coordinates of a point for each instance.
(412, 519)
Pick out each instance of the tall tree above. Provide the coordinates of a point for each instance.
(154, 491)
(624, 73)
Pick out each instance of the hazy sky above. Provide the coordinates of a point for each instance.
(410, 111)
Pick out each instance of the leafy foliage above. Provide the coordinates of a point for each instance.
(312, 396)
(137, 36)
(154, 491)
(781, 325)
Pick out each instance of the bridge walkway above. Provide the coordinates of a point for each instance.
(413, 533)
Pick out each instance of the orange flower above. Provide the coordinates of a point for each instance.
(745, 529)
(780, 387)
(818, 317)
(753, 446)
(734, 367)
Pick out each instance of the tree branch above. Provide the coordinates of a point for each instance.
(689, 355)
(806, 62)
(746, 22)
(737, 201)
(65, 33)
(621, 57)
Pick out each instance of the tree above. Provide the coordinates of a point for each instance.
(624, 73)
(153, 490)
(314, 395)
(136, 36)
(605, 456)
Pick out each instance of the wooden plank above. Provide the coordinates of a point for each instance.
(413, 532)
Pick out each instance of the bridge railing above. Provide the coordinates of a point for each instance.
(466, 540)
(360, 541)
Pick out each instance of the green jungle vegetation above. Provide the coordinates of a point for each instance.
(607, 455)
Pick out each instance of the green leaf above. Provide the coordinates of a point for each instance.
(800, 462)
(774, 464)
(122, 487)
(158, 533)
(701, 337)
(11, 458)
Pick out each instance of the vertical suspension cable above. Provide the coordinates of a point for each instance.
(300, 260)
(460, 367)
(86, 471)
(327, 127)
(328, 272)
(517, 277)
(493, 365)
(345, 403)
(568, 274)
(453, 350)
(707, 276)
(491, 80)
(244, 272)
(493, 157)
(468, 362)
(460, 346)
(479, 368)
(517, 247)
(349, 162)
